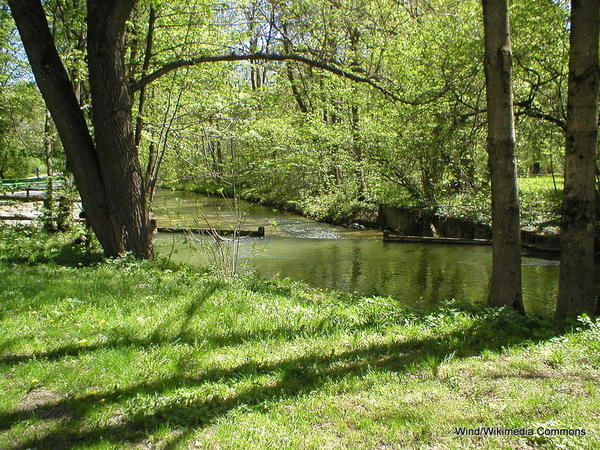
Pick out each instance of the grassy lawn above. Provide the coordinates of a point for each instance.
(541, 198)
(136, 355)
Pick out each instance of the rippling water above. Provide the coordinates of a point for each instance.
(338, 258)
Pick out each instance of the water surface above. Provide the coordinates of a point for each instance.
(334, 257)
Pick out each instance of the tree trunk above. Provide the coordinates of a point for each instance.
(287, 46)
(505, 286)
(357, 145)
(113, 126)
(57, 91)
(106, 172)
(576, 279)
(49, 210)
(295, 91)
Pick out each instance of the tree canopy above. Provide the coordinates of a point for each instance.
(329, 106)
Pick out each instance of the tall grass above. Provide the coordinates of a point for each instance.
(221, 252)
(218, 245)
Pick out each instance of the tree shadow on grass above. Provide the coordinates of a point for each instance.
(160, 336)
(294, 377)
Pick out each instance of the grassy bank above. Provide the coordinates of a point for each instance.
(338, 207)
(540, 198)
(140, 355)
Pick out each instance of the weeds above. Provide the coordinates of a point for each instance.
(221, 252)
(214, 236)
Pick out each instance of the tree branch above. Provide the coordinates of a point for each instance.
(266, 57)
(537, 114)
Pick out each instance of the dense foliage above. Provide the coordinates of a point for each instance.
(306, 138)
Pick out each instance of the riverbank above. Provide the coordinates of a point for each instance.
(461, 217)
(126, 354)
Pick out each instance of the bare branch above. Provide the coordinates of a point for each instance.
(537, 114)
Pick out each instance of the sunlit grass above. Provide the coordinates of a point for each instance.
(541, 198)
(143, 355)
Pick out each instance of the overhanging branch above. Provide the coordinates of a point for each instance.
(537, 114)
(267, 57)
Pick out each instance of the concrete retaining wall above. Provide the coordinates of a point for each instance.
(412, 222)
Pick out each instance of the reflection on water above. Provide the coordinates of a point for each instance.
(358, 261)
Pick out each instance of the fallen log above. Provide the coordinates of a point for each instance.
(18, 217)
(535, 249)
(24, 197)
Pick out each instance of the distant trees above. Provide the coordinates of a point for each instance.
(21, 126)
(21, 110)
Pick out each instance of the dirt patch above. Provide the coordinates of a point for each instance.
(11, 209)
(45, 404)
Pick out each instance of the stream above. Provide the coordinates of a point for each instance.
(333, 257)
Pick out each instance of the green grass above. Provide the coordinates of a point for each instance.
(541, 198)
(146, 355)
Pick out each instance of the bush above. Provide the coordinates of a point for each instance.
(30, 244)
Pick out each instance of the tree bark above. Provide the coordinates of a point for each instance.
(505, 286)
(142, 95)
(113, 126)
(106, 171)
(49, 171)
(576, 279)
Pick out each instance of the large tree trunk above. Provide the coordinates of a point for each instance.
(57, 91)
(106, 172)
(576, 280)
(505, 286)
(113, 126)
